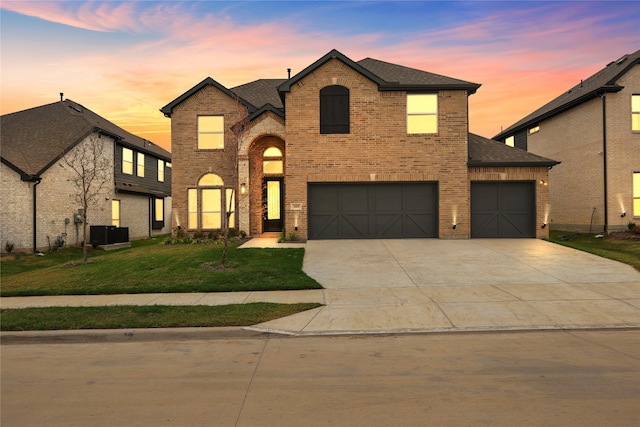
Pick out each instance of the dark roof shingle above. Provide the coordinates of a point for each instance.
(33, 139)
(487, 152)
(604, 80)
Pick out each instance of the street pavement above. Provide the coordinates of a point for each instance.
(539, 378)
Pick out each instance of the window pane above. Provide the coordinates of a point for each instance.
(422, 103)
(211, 124)
(273, 200)
(127, 161)
(211, 140)
(272, 166)
(211, 220)
(211, 179)
(636, 184)
(211, 132)
(211, 212)
(636, 207)
(272, 152)
(635, 121)
(193, 208)
(422, 124)
(510, 141)
(161, 170)
(140, 168)
(159, 210)
(115, 213)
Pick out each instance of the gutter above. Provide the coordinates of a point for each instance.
(604, 160)
(35, 211)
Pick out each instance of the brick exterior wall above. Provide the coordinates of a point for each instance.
(575, 138)
(190, 163)
(16, 215)
(378, 147)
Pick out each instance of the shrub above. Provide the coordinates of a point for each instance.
(8, 246)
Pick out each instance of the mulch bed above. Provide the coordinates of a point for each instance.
(624, 235)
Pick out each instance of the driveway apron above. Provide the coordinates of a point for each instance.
(419, 285)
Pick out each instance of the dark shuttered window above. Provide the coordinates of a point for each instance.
(334, 109)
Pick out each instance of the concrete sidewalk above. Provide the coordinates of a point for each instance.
(428, 285)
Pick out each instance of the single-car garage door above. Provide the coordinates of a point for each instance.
(502, 209)
(372, 210)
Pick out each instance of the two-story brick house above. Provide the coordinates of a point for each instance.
(347, 149)
(38, 196)
(594, 130)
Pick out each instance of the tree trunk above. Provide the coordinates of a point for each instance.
(84, 236)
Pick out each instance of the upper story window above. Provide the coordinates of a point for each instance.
(140, 167)
(210, 132)
(422, 113)
(635, 113)
(510, 141)
(534, 129)
(272, 161)
(160, 170)
(127, 161)
(334, 110)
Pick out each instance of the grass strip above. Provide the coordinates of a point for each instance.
(155, 268)
(625, 251)
(153, 316)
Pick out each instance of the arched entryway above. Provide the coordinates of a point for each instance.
(266, 188)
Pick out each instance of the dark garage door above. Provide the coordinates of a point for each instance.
(502, 209)
(372, 210)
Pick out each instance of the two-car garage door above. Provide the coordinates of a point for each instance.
(372, 210)
(403, 210)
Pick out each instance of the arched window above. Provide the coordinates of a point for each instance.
(208, 201)
(334, 110)
(272, 161)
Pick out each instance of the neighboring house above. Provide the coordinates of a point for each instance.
(38, 202)
(594, 130)
(348, 149)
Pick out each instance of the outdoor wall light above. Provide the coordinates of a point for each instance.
(243, 188)
(623, 215)
(453, 227)
(544, 225)
(543, 182)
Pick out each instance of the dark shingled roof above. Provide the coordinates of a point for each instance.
(410, 77)
(257, 95)
(33, 139)
(603, 81)
(487, 152)
(261, 92)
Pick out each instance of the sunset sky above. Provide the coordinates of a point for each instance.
(126, 59)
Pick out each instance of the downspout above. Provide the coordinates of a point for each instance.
(604, 155)
(35, 210)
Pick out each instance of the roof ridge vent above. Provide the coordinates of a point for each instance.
(78, 109)
(621, 60)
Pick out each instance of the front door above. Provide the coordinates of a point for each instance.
(272, 204)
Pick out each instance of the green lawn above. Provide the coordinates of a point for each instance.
(157, 316)
(150, 266)
(625, 251)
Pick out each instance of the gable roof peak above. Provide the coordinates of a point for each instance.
(167, 110)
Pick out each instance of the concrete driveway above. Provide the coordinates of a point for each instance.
(422, 285)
